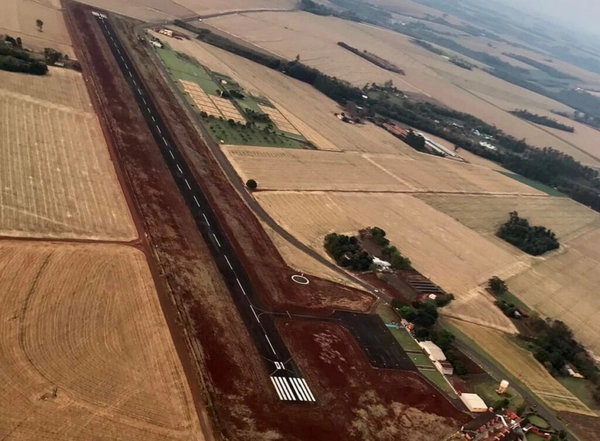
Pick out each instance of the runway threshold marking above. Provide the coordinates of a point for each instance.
(292, 389)
(277, 388)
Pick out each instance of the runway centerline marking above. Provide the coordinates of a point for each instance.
(270, 344)
(196, 200)
(241, 287)
(217, 240)
(159, 131)
(228, 262)
(187, 183)
(144, 100)
(165, 141)
(152, 116)
(179, 168)
(171, 153)
(206, 219)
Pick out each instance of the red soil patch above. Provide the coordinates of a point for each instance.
(586, 427)
(363, 402)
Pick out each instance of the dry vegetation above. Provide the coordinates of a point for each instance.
(564, 287)
(485, 214)
(85, 352)
(527, 369)
(18, 20)
(145, 10)
(56, 175)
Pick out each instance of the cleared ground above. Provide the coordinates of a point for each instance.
(85, 352)
(311, 113)
(56, 176)
(18, 19)
(526, 368)
(452, 255)
(485, 214)
(280, 169)
(564, 287)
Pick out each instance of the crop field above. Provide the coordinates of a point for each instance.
(145, 10)
(18, 19)
(228, 109)
(484, 214)
(311, 113)
(564, 287)
(280, 121)
(56, 174)
(86, 351)
(200, 98)
(524, 366)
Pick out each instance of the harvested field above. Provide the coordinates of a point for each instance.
(227, 109)
(586, 427)
(522, 364)
(145, 10)
(564, 286)
(84, 321)
(349, 171)
(200, 98)
(376, 404)
(280, 121)
(303, 106)
(484, 214)
(56, 174)
(18, 19)
(450, 254)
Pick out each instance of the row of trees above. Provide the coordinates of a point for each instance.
(388, 252)
(534, 240)
(347, 252)
(542, 120)
(14, 59)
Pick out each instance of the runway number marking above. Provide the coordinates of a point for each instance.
(279, 366)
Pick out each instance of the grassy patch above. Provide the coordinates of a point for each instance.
(533, 437)
(387, 314)
(406, 341)
(486, 387)
(221, 130)
(535, 184)
(508, 297)
(538, 421)
(420, 359)
(438, 379)
(186, 69)
(582, 389)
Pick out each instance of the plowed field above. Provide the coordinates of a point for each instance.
(85, 352)
(57, 178)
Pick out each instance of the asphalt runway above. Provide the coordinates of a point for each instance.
(285, 375)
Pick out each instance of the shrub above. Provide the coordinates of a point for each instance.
(497, 286)
(251, 184)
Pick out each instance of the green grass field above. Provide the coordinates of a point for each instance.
(187, 69)
(582, 389)
(420, 360)
(538, 421)
(533, 437)
(406, 341)
(486, 387)
(535, 184)
(438, 379)
(221, 130)
(387, 314)
(508, 297)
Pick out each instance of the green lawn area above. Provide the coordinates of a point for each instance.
(438, 379)
(406, 341)
(508, 297)
(237, 135)
(535, 184)
(486, 389)
(538, 421)
(183, 69)
(420, 359)
(582, 389)
(533, 437)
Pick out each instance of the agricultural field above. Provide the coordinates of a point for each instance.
(86, 351)
(450, 254)
(56, 174)
(311, 113)
(316, 170)
(564, 286)
(145, 10)
(280, 121)
(315, 39)
(524, 366)
(484, 214)
(18, 19)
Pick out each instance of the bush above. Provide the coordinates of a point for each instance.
(500, 404)
(347, 252)
(497, 286)
(407, 313)
(251, 184)
(534, 240)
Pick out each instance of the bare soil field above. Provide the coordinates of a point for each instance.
(524, 366)
(84, 321)
(586, 427)
(307, 109)
(484, 214)
(452, 255)
(57, 177)
(564, 287)
(382, 404)
(283, 169)
(18, 19)
(315, 40)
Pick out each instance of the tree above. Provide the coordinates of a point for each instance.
(19, 42)
(407, 313)
(460, 368)
(39, 23)
(500, 404)
(497, 286)
(203, 114)
(251, 184)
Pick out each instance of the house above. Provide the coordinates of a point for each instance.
(432, 350)
(474, 402)
(444, 367)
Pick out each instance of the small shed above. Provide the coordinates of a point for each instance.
(474, 403)
(445, 367)
(433, 351)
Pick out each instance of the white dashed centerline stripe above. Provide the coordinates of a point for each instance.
(254, 312)
(129, 72)
(241, 287)
(134, 83)
(277, 389)
(152, 116)
(206, 219)
(179, 168)
(165, 141)
(269, 341)
(123, 59)
(139, 91)
(144, 100)
(159, 131)
(118, 51)
(171, 153)
(217, 240)
(228, 262)
(188, 184)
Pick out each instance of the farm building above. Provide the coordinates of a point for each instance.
(474, 402)
(445, 367)
(433, 351)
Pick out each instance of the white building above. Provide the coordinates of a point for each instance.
(474, 402)
(381, 264)
(444, 367)
(433, 351)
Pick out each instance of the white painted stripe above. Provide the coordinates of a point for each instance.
(228, 262)
(139, 91)
(217, 240)
(284, 380)
(179, 168)
(269, 341)
(299, 394)
(118, 51)
(144, 100)
(123, 59)
(159, 131)
(241, 287)
(134, 83)
(197, 203)
(165, 141)
(277, 389)
(302, 389)
(148, 109)
(206, 219)
(152, 116)
(171, 153)
(129, 72)
(307, 389)
(254, 312)
(187, 183)
(283, 388)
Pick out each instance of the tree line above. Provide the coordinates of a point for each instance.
(14, 59)
(542, 120)
(534, 240)
(372, 58)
